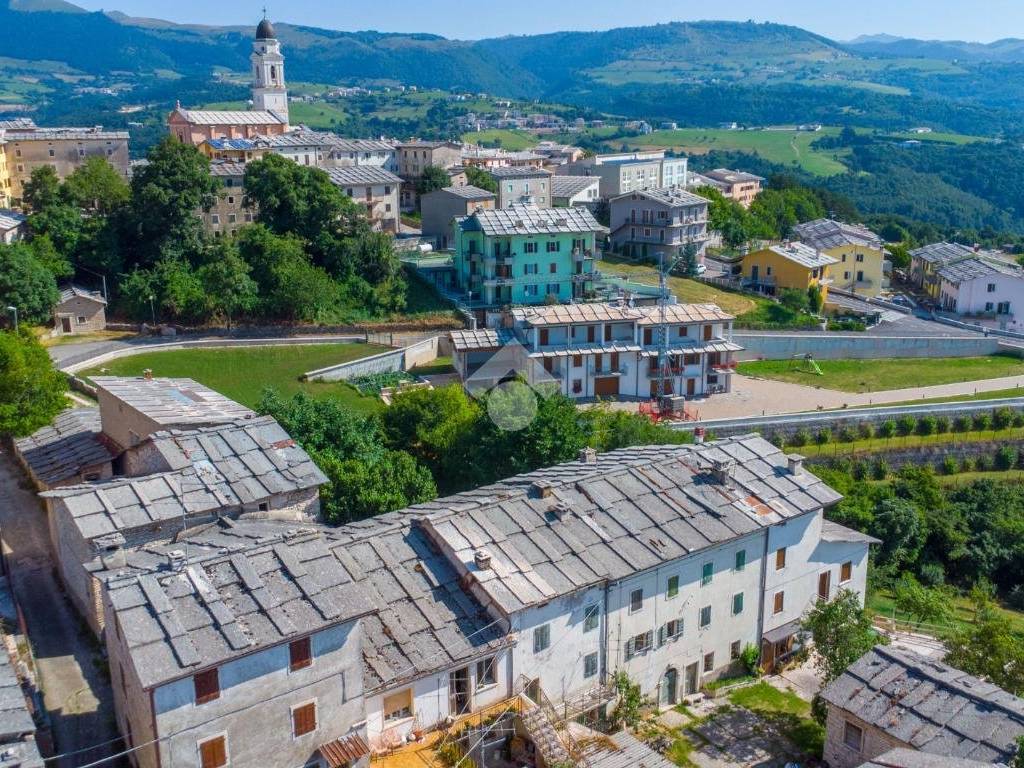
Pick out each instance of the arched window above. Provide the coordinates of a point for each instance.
(273, 73)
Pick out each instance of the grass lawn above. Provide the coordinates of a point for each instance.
(512, 140)
(887, 373)
(880, 602)
(910, 441)
(242, 373)
(319, 115)
(995, 394)
(790, 713)
(783, 146)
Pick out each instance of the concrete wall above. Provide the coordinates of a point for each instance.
(828, 346)
(649, 668)
(403, 359)
(262, 685)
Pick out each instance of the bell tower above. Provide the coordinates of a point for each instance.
(268, 88)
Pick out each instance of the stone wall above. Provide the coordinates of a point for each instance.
(834, 346)
(874, 742)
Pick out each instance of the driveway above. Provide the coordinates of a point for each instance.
(70, 665)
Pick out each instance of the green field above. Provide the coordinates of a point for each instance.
(887, 373)
(242, 373)
(514, 141)
(880, 601)
(783, 146)
(321, 115)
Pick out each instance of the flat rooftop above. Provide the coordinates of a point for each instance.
(170, 402)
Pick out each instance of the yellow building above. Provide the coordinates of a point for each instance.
(235, 150)
(5, 179)
(859, 253)
(789, 265)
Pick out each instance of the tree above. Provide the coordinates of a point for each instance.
(26, 284)
(988, 648)
(842, 633)
(631, 700)
(434, 177)
(229, 289)
(900, 526)
(96, 187)
(815, 299)
(793, 299)
(42, 189)
(31, 389)
(690, 262)
(480, 178)
(358, 489)
(925, 604)
(166, 195)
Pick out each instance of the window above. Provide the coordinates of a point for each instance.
(591, 617)
(673, 586)
(735, 650)
(737, 604)
(554, 289)
(213, 753)
(300, 653)
(530, 248)
(530, 290)
(860, 257)
(706, 573)
(674, 629)
(554, 246)
(485, 673)
(636, 600)
(705, 616)
(529, 269)
(51, 153)
(780, 602)
(541, 638)
(845, 572)
(780, 558)
(989, 306)
(553, 268)
(741, 560)
(639, 644)
(304, 719)
(709, 661)
(991, 288)
(81, 319)
(853, 736)
(231, 200)
(207, 686)
(590, 665)
(215, 219)
(398, 706)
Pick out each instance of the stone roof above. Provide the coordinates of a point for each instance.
(670, 196)
(467, 191)
(209, 471)
(530, 220)
(975, 268)
(803, 254)
(941, 253)
(231, 117)
(65, 134)
(518, 172)
(910, 758)
(929, 705)
(835, 533)
(11, 219)
(69, 292)
(177, 622)
(226, 168)
(360, 145)
(17, 730)
(824, 234)
(173, 402)
(567, 314)
(622, 750)
(356, 175)
(557, 530)
(64, 448)
(17, 124)
(567, 186)
(732, 177)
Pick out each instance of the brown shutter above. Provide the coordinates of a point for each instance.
(607, 333)
(207, 686)
(213, 753)
(304, 719)
(648, 335)
(590, 334)
(707, 333)
(301, 654)
(543, 336)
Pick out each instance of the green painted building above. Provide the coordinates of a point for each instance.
(523, 254)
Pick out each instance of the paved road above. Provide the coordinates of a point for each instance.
(75, 685)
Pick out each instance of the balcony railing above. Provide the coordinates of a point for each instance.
(607, 370)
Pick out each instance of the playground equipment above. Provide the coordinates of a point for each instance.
(805, 363)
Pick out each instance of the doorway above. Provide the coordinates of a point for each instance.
(458, 692)
(824, 585)
(690, 682)
(668, 687)
(65, 325)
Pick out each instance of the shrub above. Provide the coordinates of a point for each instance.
(1002, 418)
(948, 466)
(1018, 418)
(961, 424)
(865, 430)
(1005, 458)
(983, 463)
(967, 464)
(905, 425)
(800, 438)
(981, 422)
(880, 469)
(942, 424)
(926, 426)
(751, 657)
(1015, 597)
(932, 574)
(859, 471)
(887, 429)
(847, 434)
(823, 436)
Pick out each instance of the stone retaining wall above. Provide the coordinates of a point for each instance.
(834, 346)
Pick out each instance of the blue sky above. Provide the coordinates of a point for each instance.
(982, 20)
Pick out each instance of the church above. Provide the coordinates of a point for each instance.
(269, 113)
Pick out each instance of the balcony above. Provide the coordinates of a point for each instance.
(607, 370)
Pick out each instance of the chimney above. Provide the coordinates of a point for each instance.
(698, 435)
(722, 470)
(795, 463)
(588, 455)
(541, 489)
(482, 558)
(561, 510)
(147, 374)
(176, 557)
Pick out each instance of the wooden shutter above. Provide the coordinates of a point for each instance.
(607, 333)
(301, 654)
(207, 686)
(648, 335)
(629, 649)
(707, 333)
(662, 634)
(304, 719)
(213, 753)
(543, 336)
(590, 334)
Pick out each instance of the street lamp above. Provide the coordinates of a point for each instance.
(152, 311)
(15, 311)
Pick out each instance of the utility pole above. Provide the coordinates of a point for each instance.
(663, 327)
(152, 310)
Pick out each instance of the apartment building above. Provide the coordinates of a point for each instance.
(522, 185)
(302, 146)
(739, 186)
(978, 287)
(791, 265)
(630, 171)
(13, 224)
(859, 253)
(229, 212)
(567, 191)
(895, 699)
(63, 149)
(234, 150)
(648, 222)
(414, 157)
(440, 209)
(525, 254)
(5, 179)
(358, 152)
(374, 189)
(925, 263)
(612, 350)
